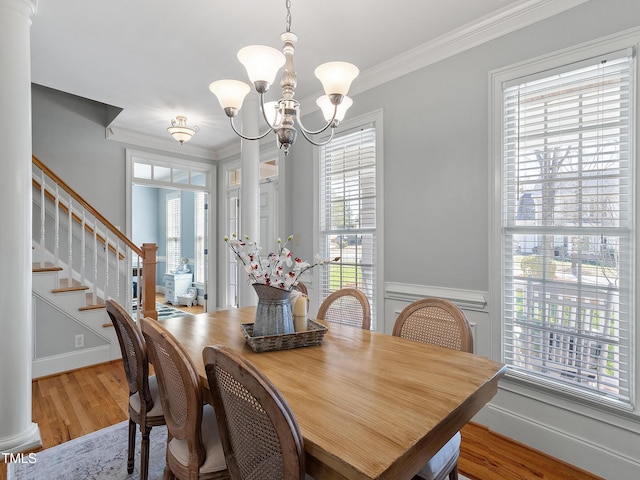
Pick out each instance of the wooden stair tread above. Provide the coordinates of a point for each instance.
(75, 288)
(97, 306)
(37, 267)
(66, 286)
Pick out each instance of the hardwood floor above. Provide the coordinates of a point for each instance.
(75, 403)
(192, 310)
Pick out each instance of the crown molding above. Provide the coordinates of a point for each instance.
(471, 35)
(164, 144)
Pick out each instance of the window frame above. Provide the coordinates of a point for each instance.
(200, 247)
(374, 119)
(172, 197)
(232, 188)
(621, 41)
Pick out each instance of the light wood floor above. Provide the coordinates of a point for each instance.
(192, 310)
(75, 403)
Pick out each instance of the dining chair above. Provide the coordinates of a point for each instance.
(145, 407)
(302, 288)
(260, 435)
(348, 306)
(194, 448)
(438, 322)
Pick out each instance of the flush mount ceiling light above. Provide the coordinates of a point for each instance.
(180, 131)
(262, 64)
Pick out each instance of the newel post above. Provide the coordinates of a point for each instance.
(149, 280)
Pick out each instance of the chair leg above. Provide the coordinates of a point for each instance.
(144, 454)
(132, 446)
(168, 474)
(453, 474)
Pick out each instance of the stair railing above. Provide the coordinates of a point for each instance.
(115, 259)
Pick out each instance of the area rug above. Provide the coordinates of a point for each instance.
(164, 311)
(98, 455)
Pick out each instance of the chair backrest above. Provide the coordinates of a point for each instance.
(259, 433)
(302, 288)
(435, 321)
(179, 387)
(348, 306)
(134, 353)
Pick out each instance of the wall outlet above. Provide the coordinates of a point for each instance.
(80, 340)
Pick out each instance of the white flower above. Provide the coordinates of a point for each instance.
(279, 269)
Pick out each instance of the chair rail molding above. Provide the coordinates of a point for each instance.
(465, 299)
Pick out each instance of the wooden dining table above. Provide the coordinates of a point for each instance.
(369, 405)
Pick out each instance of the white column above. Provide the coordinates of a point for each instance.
(250, 186)
(17, 431)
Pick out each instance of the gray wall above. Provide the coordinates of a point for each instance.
(69, 137)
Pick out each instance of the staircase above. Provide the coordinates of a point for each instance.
(80, 259)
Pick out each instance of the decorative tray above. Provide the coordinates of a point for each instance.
(313, 336)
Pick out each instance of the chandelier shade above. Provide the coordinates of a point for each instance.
(272, 113)
(262, 63)
(324, 102)
(180, 131)
(282, 117)
(336, 77)
(230, 93)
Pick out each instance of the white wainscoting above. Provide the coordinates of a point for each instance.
(473, 303)
(602, 442)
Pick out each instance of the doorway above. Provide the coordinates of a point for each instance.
(169, 203)
(232, 272)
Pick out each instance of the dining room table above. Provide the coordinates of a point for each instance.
(369, 405)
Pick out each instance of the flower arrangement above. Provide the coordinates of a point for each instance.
(278, 269)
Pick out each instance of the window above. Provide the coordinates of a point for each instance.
(566, 226)
(173, 231)
(268, 173)
(233, 226)
(347, 213)
(201, 225)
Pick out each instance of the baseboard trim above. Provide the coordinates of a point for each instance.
(544, 437)
(54, 364)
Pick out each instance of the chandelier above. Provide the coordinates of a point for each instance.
(262, 64)
(180, 131)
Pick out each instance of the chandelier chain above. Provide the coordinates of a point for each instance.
(288, 5)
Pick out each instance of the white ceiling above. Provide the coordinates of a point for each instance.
(156, 58)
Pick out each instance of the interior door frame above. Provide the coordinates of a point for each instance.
(210, 170)
(278, 213)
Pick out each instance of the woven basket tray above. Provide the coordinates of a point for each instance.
(313, 336)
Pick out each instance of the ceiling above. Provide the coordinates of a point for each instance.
(156, 58)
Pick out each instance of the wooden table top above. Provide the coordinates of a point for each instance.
(369, 405)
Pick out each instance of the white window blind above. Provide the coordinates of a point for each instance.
(567, 232)
(201, 212)
(347, 205)
(173, 231)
